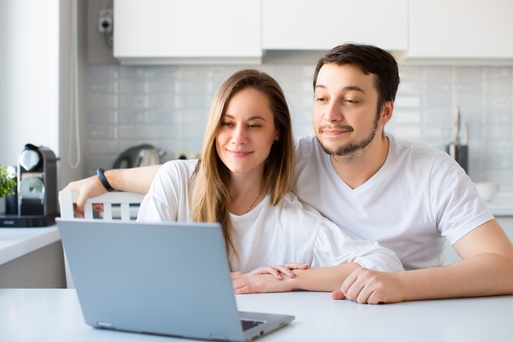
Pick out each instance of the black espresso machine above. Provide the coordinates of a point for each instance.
(35, 199)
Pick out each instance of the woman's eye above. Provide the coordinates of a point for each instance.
(226, 124)
(254, 126)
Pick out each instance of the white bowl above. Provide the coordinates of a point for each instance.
(487, 190)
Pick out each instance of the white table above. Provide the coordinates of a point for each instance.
(54, 315)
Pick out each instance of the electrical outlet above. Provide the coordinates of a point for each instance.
(105, 21)
(187, 154)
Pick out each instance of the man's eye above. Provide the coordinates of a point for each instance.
(351, 101)
(320, 99)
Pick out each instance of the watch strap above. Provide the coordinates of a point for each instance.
(103, 179)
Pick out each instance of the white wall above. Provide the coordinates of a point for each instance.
(36, 89)
(29, 84)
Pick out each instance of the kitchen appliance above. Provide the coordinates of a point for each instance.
(140, 155)
(458, 148)
(37, 198)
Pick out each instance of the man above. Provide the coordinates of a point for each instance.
(405, 196)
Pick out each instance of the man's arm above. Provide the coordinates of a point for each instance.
(311, 279)
(135, 180)
(486, 270)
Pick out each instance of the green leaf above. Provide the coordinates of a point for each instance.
(7, 183)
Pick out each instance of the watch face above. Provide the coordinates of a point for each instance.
(32, 188)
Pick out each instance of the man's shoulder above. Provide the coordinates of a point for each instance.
(305, 145)
(419, 149)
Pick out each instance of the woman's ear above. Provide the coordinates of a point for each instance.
(276, 136)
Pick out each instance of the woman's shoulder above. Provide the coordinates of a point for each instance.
(175, 172)
(179, 166)
(291, 205)
(305, 145)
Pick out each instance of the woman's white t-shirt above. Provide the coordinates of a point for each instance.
(268, 235)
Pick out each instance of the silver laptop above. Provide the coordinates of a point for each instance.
(167, 278)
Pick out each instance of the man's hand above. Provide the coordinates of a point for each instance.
(370, 287)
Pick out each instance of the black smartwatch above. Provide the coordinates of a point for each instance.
(101, 175)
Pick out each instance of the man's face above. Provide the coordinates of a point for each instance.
(345, 111)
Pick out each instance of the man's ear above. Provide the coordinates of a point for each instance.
(386, 112)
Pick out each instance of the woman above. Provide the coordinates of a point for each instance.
(243, 181)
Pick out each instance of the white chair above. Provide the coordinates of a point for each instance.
(117, 205)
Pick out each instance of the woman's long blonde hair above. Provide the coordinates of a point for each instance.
(209, 193)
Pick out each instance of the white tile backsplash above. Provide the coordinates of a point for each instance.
(167, 106)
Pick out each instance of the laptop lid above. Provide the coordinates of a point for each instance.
(163, 278)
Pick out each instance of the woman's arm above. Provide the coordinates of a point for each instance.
(135, 180)
(311, 279)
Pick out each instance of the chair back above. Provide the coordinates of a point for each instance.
(116, 205)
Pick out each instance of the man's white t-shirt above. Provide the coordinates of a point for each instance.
(268, 235)
(419, 197)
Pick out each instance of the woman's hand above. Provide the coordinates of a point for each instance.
(266, 279)
(86, 188)
(276, 271)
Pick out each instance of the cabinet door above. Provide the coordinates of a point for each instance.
(324, 24)
(454, 29)
(158, 30)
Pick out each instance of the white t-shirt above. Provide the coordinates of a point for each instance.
(268, 235)
(419, 197)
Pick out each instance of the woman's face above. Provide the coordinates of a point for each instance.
(247, 132)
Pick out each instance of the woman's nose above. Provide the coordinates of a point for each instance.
(239, 135)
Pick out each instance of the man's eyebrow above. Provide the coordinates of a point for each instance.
(348, 88)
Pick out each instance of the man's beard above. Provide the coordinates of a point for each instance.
(351, 148)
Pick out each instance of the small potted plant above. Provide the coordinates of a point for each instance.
(7, 184)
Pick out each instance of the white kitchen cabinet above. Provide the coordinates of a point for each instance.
(193, 31)
(461, 30)
(324, 24)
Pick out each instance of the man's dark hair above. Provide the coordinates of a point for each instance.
(372, 60)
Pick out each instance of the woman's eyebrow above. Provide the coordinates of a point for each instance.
(253, 117)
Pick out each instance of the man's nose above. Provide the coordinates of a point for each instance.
(333, 113)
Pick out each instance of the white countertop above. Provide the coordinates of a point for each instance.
(55, 315)
(502, 204)
(17, 242)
